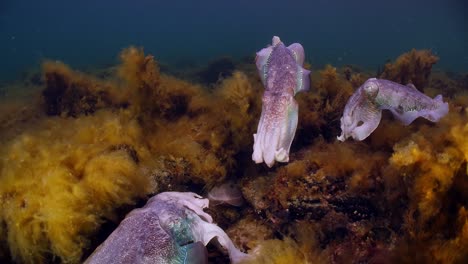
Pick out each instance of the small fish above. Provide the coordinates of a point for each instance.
(363, 110)
(171, 228)
(227, 193)
(280, 69)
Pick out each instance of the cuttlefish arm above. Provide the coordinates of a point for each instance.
(362, 112)
(201, 230)
(276, 129)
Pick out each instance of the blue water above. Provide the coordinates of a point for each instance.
(91, 33)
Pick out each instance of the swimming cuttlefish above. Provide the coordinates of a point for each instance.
(363, 110)
(171, 228)
(281, 72)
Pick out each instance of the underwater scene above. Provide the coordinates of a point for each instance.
(234, 131)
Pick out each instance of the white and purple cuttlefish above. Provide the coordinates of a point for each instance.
(363, 110)
(281, 72)
(171, 228)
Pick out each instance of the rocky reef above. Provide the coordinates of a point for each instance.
(80, 150)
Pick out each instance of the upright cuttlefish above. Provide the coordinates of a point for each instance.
(280, 69)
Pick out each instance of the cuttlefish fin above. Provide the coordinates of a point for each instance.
(298, 52)
(432, 115)
(262, 62)
(406, 117)
(441, 110)
(303, 80)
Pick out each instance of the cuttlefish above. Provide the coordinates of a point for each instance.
(363, 110)
(171, 228)
(280, 69)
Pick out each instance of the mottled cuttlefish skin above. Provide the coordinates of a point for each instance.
(171, 228)
(363, 110)
(280, 69)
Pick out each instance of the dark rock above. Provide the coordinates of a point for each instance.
(66, 97)
(53, 93)
(314, 209)
(356, 208)
(336, 235)
(381, 234)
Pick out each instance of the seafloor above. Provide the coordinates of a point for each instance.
(80, 150)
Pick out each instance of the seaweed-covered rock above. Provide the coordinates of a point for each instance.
(136, 131)
(69, 93)
(61, 179)
(356, 208)
(411, 67)
(249, 232)
(321, 108)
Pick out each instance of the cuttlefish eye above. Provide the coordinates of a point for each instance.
(371, 89)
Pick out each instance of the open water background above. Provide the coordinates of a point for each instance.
(87, 34)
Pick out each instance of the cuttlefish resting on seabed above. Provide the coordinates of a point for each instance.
(283, 76)
(363, 110)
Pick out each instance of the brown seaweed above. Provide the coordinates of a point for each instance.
(411, 67)
(114, 139)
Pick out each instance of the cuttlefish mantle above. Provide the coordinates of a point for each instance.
(280, 69)
(363, 110)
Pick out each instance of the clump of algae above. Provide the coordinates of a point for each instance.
(62, 179)
(211, 129)
(71, 93)
(277, 252)
(303, 248)
(249, 232)
(433, 160)
(185, 121)
(320, 110)
(437, 165)
(412, 67)
(105, 143)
